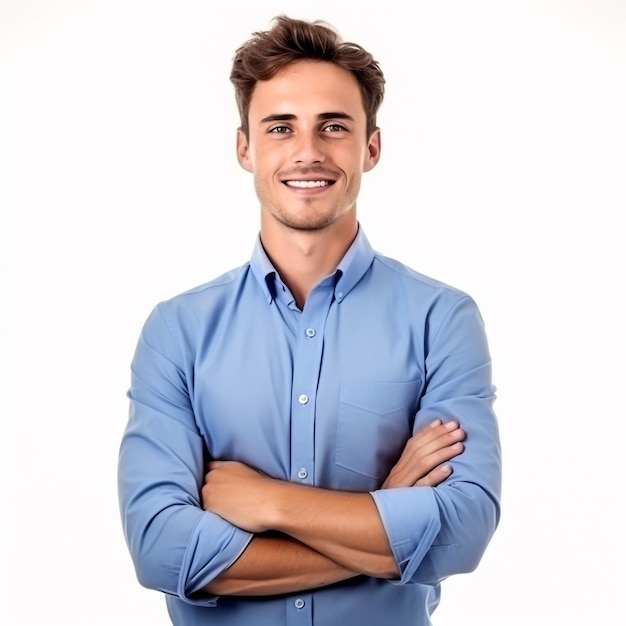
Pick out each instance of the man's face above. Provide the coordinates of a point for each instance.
(307, 145)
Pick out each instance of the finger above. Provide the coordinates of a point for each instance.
(435, 477)
(418, 452)
(432, 460)
(411, 469)
(215, 464)
(435, 439)
(432, 429)
(211, 467)
(433, 432)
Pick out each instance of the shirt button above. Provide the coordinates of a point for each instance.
(303, 398)
(339, 295)
(310, 332)
(299, 603)
(302, 473)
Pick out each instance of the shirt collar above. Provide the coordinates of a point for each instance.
(350, 270)
(354, 264)
(263, 270)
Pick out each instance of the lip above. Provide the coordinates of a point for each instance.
(308, 183)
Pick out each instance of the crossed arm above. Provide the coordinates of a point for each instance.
(307, 537)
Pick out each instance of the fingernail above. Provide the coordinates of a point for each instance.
(435, 423)
(446, 469)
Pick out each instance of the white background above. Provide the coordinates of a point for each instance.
(503, 173)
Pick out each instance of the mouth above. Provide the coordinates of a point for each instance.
(308, 184)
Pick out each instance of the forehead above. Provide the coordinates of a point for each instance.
(308, 87)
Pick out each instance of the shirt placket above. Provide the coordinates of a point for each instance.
(306, 370)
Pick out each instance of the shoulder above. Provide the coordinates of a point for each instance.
(199, 306)
(448, 316)
(179, 324)
(415, 283)
(207, 294)
(425, 300)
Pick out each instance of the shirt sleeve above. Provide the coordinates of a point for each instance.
(176, 546)
(440, 531)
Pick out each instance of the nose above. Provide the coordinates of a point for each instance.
(308, 149)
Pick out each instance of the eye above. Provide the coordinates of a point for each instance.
(334, 128)
(280, 130)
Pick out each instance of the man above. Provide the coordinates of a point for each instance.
(311, 437)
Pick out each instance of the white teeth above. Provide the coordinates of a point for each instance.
(307, 184)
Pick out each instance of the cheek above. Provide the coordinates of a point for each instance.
(354, 181)
(266, 162)
(266, 184)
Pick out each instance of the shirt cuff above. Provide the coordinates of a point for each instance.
(410, 516)
(198, 568)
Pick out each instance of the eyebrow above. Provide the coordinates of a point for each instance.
(289, 117)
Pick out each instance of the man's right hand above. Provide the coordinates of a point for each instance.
(423, 460)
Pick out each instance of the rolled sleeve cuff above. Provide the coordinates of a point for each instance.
(410, 516)
(198, 568)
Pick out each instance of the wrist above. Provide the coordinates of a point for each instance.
(278, 504)
(291, 508)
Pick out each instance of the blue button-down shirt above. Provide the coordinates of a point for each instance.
(324, 396)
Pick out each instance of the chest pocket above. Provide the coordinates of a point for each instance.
(374, 422)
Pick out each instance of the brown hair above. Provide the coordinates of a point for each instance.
(290, 40)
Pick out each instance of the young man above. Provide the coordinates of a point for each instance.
(294, 453)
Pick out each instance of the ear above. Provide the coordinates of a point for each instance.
(243, 151)
(373, 151)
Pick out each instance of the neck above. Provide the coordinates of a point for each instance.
(303, 258)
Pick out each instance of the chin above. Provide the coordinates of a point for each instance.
(308, 223)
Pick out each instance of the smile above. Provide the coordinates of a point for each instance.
(308, 184)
